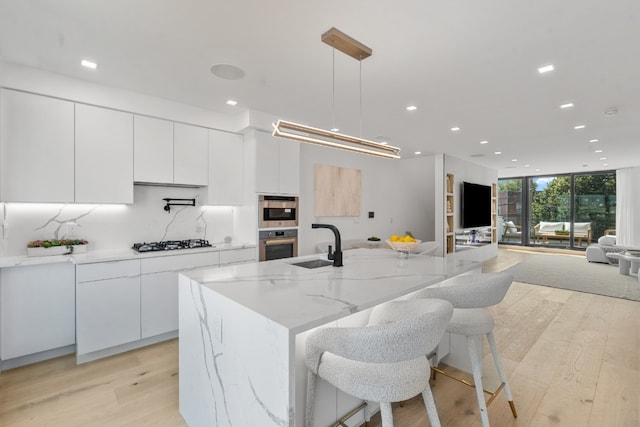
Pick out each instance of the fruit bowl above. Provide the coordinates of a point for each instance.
(403, 246)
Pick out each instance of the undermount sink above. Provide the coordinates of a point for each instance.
(313, 263)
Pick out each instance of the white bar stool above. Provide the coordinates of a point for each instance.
(470, 294)
(384, 361)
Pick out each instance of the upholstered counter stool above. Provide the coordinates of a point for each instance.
(470, 294)
(384, 361)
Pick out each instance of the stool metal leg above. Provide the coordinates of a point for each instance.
(476, 367)
(503, 376)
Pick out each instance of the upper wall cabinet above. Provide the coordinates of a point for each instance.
(37, 148)
(226, 168)
(104, 155)
(169, 153)
(152, 150)
(190, 155)
(277, 165)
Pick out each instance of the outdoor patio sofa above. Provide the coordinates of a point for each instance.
(544, 231)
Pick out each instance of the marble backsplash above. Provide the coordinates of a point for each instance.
(116, 227)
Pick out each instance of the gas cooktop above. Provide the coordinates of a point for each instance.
(170, 245)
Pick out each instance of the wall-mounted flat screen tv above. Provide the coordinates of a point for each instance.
(476, 205)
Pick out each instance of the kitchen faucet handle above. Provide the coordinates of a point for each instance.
(330, 253)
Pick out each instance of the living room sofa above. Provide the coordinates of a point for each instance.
(544, 231)
(597, 252)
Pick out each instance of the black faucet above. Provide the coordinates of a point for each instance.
(336, 256)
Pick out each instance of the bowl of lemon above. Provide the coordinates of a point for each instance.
(403, 244)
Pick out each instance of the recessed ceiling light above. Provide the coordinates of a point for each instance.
(484, 142)
(537, 170)
(527, 166)
(594, 140)
(598, 151)
(227, 71)
(605, 164)
(603, 158)
(334, 129)
(584, 165)
(89, 64)
(232, 102)
(610, 112)
(455, 129)
(417, 153)
(497, 152)
(411, 108)
(514, 160)
(567, 105)
(545, 69)
(578, 127)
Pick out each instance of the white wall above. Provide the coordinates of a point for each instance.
(399, 192)
(469, 172)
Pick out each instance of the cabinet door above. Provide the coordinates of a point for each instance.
(108, 313)
(159, 303)
(104, 155)
(289, 177)
(152, 150)
(37, 309)
(267, 163)
(190, 155)
(226, 168)
(37, 148)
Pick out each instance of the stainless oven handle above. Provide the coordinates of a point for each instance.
(273, 242)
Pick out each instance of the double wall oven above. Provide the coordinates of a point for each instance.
(276, 215)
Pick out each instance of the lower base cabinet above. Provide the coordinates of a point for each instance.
(108, 313)
(37, 309)
(159, 303)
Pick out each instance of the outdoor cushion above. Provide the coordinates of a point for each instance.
(581, 228)
(511, 227)
(607, 241)
(550, 227)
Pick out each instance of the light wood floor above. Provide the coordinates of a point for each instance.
(573, 359)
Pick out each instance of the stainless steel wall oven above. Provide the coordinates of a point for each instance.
(276, 244)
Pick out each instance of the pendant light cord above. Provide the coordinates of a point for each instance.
(360, 97)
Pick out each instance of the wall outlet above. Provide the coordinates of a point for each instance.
(71, 228)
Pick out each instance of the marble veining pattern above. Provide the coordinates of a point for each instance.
(207, 342)
(61, 222)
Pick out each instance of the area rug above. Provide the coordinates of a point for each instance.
(576, 274)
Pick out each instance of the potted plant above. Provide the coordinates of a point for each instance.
(56, 247)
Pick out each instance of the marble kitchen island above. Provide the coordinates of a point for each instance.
(242, 330)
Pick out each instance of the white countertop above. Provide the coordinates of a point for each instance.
(115, 255)
(300, 299)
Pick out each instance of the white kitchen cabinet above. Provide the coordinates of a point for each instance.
(152, 150)
(238, 256)
(226, 168)
(159, 303)
(37, 148)
(289, 173)
(104, 155)
(159, 289)
(190, 151)
(107, 305)
(277, 165)
(37, 309)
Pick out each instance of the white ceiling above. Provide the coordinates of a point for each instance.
(464, 63)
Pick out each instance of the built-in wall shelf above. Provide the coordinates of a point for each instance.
(494, 212)
(449, 207)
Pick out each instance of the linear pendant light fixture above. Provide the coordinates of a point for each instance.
(302, 133)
